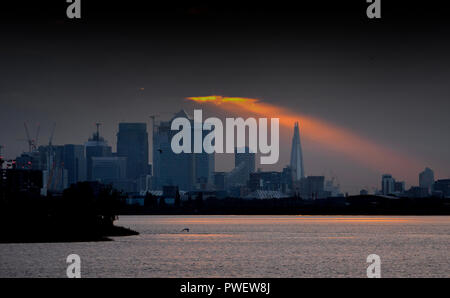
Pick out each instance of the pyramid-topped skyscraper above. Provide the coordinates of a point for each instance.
(297, 156)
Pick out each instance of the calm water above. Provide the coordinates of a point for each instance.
(248, 246)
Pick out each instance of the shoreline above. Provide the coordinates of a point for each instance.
(53, 236)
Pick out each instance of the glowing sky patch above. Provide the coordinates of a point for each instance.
(342, 140)
(217, 99)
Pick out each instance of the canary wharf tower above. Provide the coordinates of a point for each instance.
(296, 155)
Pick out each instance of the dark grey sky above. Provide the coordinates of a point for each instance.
(386, 80)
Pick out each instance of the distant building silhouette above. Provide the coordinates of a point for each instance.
(219, 181)
(248, 160)
(426, 179)
(297, 155)
(184, 169)
(96, 146)
(399, 187)
(312, 187)
(387, 184)
(442, 188)
(74, 160)
(417, 192)
(132, 143)
(29, 161)
(286, 180)
(55, 171)
(265, 181)
(265, 194)
(109, 168)
(170, 168)
(204, 165)
(331, 189)
(236, 177)
(24, 181)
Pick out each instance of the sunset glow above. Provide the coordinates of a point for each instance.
(217, 99)
(344, 141)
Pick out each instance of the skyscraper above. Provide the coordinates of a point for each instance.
(184, 169)
(75, 163)
(204, 164)
(96, 147)
(109, 169)
(426, 179)
(219, 180)
(297, 156)
(387, 184)
(248, 160)
(312, 187)
(170, 168)
(132, 143)
(442, 187)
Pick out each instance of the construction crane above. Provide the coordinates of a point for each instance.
(29, 140)
(32, 143)
(36, 142)
(50, 140)
(50, 162)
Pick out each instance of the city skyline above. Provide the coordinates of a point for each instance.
(224, 148)
(384, 81)
(98, 140)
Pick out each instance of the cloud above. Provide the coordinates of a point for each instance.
(359, 148)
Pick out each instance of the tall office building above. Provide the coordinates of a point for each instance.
(286, 180)
(109, 169)
(442, 188)
(170, 168)
(204, 165)
(248, 160)
(426, 179)
(399, 187)
(96, 146)
(312, 187)
(75, 162)
(297, 156)
(219, 180)
(184, 169)
(234, 177)
(387, 184)
(132, 143)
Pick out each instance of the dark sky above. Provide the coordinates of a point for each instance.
(387, 80)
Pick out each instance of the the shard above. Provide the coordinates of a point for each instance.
(296, 155)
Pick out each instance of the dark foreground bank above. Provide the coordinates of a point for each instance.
(61, 232)
(84, 212)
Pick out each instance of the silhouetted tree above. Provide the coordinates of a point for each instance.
(177, 199)
(162, 202)
(199, 200)
(150, 201)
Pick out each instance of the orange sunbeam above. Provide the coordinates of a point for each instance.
(344, 141)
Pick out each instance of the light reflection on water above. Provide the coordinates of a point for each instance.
(248, 246)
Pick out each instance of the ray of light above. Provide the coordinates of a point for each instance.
(359, 148)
